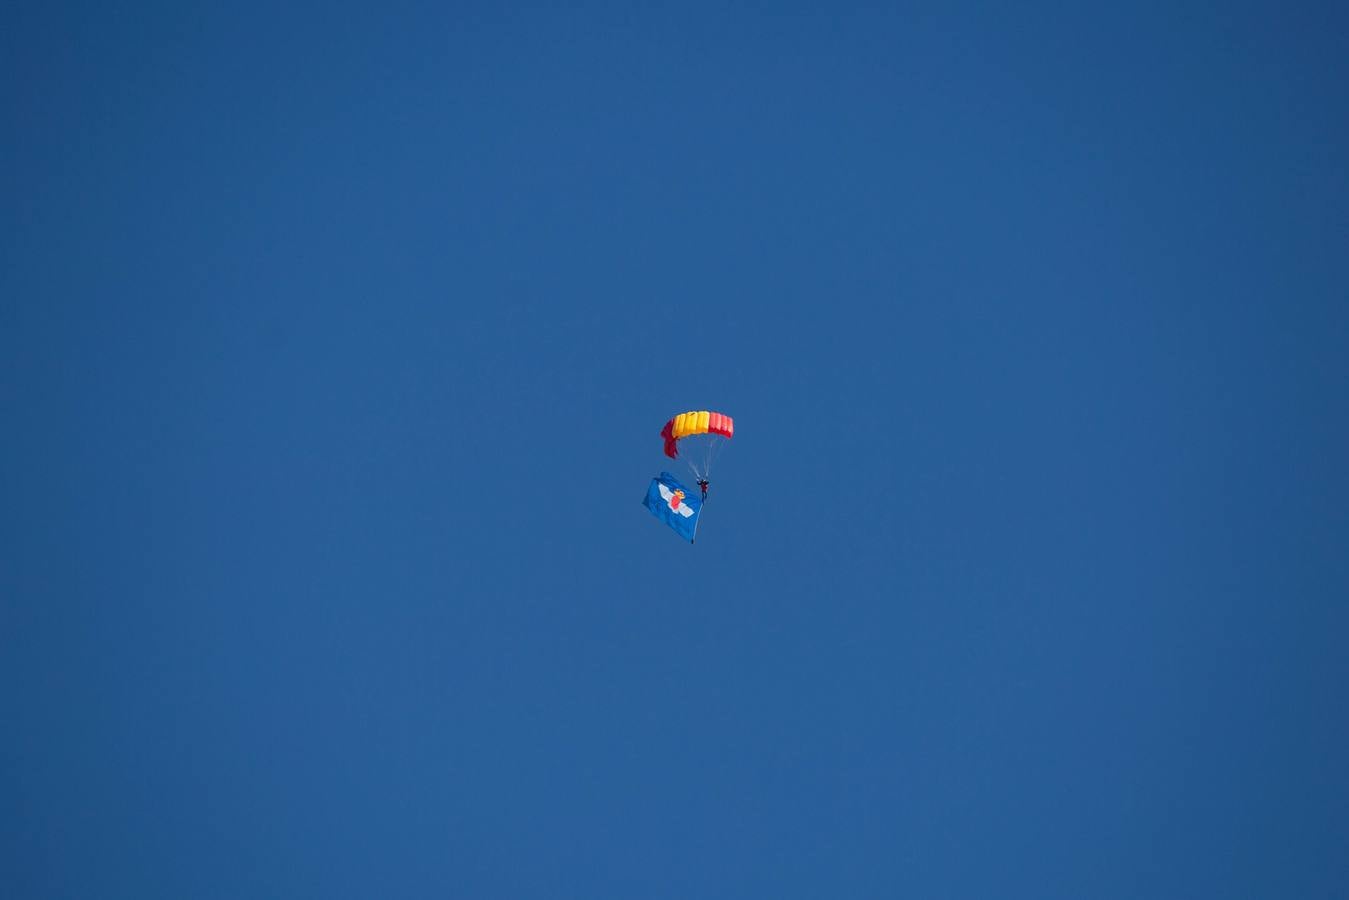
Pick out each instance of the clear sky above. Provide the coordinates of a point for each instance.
(335, 341)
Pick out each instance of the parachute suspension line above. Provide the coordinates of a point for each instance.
(699, 452)
(698, 448)
(713, 450)
(708, 455)
(690, 455)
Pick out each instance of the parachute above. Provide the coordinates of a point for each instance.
(699, 434)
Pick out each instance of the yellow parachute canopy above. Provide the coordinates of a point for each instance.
(695, 422)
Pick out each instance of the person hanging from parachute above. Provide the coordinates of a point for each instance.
(698, 434)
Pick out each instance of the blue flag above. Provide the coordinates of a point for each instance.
(674, 504)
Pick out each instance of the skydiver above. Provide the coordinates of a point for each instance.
(702, 483)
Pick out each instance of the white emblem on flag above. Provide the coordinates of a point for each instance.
(675, 503)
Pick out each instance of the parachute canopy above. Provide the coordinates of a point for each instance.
(699, 434)
(691, 423)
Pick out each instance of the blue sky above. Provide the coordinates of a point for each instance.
(335, 342)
